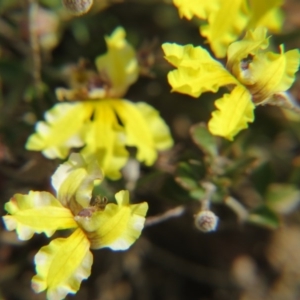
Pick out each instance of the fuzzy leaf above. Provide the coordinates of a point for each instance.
(265, 217)
(204, 140)
(198, 193)
(239, 166)
(189, 174)
(282, 198)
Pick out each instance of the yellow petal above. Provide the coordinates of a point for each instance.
(197, 71)
(119, 64)
(160, 131)
(251, 44)
(105, 140)
(225, 25)
(118, 226)
(62, 265)
(144, 129)
(74, 181)
(61, 130)
(187, 56)
(36, 212)
(200, 9)
(267, 14)
(273, 20)
(234, 112)
(272, 73)
(176, 54)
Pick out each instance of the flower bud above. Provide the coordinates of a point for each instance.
(78, 7)
(206, 221)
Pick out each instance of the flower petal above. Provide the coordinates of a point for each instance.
(105, 140)
(62, 265)
(74, 181)
(144, 129)
(159, 129)
(222, 29)
(200, 9)
(272, 73)
(251, 43)
(119, 64)
(267, 14)
(197, 71)
(118, 226)
(61, 130)
(36, 212)
(235, 110)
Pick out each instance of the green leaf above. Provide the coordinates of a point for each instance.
(265, 217)
(174, 192)
(10, 70)
(282, 198)
(189, 174)
(239, 166)
(204, 139)
(51, 3)
(7, 4)
(198, 193)
(222, 189)
(262, 177)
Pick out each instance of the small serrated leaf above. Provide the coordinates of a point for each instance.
(174, 191)
(204, 139)
(189, 174)
(262, 176)
(265, 217)
(198, 193)
(239, 166)
(282, 198)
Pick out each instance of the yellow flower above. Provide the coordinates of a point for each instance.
(253, 75)
(65, 262)
(103, 123)
(227, 19)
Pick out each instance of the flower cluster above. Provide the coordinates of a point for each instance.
(101, 121)
(65, 262)
(227, 19)
(94, 117)
(253, 74)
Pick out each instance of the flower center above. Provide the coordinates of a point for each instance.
(96, 204)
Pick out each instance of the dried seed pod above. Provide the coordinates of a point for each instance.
(78, 7)
(206, 221)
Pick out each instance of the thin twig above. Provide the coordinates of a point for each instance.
(35, 46)
(241, 212)
(172, 213)
(210, 189)
(9, 34)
